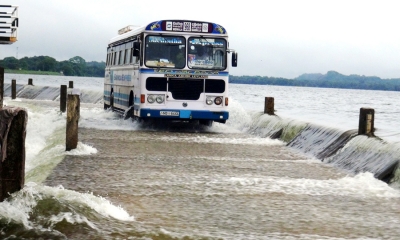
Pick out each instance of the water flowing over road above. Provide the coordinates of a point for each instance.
(230, 181)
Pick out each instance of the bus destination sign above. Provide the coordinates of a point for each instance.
(186, 26)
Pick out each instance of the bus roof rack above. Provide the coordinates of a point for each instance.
(127, 29)
(8, 24)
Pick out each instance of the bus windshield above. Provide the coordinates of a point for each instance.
(165, 51)
(206, 53)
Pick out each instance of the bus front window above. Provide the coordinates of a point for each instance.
(207, 53)
(165, 51)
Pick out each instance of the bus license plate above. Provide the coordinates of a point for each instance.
(169, 113)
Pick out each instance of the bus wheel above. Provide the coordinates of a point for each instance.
(207, 123)
(112, 102)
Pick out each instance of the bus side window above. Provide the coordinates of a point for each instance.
(114, 58)
(128, 56)
(125, 56)
(117, 60)
(121, 58)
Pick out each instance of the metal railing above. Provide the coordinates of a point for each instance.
(8, 24)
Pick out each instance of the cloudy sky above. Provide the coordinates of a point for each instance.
(279, 38)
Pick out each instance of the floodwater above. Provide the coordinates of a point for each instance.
(184, 182)
(180, 181)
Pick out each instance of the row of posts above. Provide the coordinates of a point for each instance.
(13, 122)
(365, 123)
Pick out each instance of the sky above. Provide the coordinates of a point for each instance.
(274, 38)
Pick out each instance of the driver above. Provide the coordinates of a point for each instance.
(202, 53)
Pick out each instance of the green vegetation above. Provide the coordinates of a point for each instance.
(45, 65)
(31, 72)
(77, 66)
(331, 79)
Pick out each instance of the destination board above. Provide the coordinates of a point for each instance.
(186, 26)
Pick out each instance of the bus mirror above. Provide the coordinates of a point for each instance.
(136, 49)
(234, 59)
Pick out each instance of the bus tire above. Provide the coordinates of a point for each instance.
(112, 101)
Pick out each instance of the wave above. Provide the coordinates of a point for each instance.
(343, 149)
(39, 211)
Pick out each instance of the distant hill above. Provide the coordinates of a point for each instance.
(335, 76)
(310, 76)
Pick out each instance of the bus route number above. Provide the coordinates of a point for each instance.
(169, 113)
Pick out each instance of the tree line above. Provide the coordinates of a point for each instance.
(76, 66)
(331, 79)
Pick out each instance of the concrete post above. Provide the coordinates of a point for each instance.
(63, 98)
(71, 84)
(366, 122)
(13, 89)
(73, 113)
(1, 87)
(269, 106)
(12, 157)
(30, 81)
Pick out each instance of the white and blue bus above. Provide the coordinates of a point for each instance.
(170, 69)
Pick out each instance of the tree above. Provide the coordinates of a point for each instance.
(79, 65)
(47, 64)
(10, 63)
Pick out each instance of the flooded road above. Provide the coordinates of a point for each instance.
(193, 183)
(230, 182)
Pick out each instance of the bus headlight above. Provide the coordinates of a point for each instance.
(218, 100)
(151, 98)
(209, 101)
(160, 99)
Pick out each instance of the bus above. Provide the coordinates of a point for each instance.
(170, 70)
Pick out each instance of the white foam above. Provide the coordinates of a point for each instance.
(42, 123)
(71, 218)
(239, 118)
(362, 185)
(98, 118)
(82, 149)
(22, 203)
(235, 141)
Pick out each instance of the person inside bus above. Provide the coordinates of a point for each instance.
(202, 53)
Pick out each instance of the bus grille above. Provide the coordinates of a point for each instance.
(186, 89)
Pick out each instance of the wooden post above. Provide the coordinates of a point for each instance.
(13, 89)
(1, 86)
(366, 122)
(269, 106)
(71, 84)
(30, 81)
(12, 161)
(73, 113)
(63, 98)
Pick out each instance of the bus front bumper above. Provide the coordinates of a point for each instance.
(184, 114)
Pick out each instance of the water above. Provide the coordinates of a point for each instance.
(134, 181)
